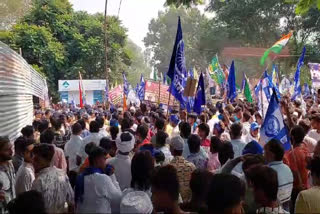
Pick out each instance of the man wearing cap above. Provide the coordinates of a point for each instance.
(253, 135)
(174, 121)
(122, 161)
(184, 167)
(192, 121)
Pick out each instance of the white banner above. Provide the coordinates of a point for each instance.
(315, 74)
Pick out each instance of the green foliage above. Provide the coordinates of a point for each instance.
(188, 3)
(201, 38)
(60, 43)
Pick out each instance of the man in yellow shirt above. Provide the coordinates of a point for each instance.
(308, 200)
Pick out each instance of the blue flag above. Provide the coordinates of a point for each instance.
(125, 85)
(273, 126)
(306, 90)
(141, 88)
(177, 67)
(200, 98)
(232, 89)
(297, 86)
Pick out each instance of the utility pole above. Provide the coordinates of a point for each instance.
(106, 45)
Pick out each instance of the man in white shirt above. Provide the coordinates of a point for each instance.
(25, 175)
(51, 182)
(253, 133)
(122, 161)
(94, 137)
(102, 129)
(315, 131)
(237, 144)
(71, 150)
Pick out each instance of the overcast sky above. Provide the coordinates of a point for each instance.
(135, 14)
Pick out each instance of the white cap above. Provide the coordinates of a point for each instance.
(125, 142)
(136, 202)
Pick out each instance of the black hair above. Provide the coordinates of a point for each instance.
(235, 130)
(276, 148)
(185, 129)
(159, 124)
(166, 179)
(24, 144)
(297, 134)
(251, 161)
(158, 156)
(204, 127)
(100, 121)
(76, 128)
(27, 131)
(142, 166)
(35, 125)
(94, 152)
(225, 152)
(47, 136)
(257, 176)
(225, 192)
(106, 143)
(126, 124)
(114, 131)
(4, 140)
(57, 125)
(142, 130)
(44, 125)
(94, 127)
(44, 150)
(215, 144)
(28, 202)
(246, 116)
(161, 138)
(82, 123)
(194, 143)
(19, 144)
(314, 166)
(199, 183)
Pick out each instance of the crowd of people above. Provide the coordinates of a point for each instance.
(150, 160)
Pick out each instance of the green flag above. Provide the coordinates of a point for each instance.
(247, 92)
(215, 71)
(155, 75)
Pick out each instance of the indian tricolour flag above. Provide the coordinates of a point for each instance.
(276, 48)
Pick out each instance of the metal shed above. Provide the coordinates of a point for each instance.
(19, 82)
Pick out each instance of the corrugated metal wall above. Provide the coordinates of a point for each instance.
(18, 83)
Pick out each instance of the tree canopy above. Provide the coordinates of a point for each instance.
(60, 42)
(254, 23)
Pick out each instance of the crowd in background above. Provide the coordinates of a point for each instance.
(147, 160)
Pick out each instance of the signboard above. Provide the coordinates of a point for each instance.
(89, 85)
(152, 92)
(116, 95)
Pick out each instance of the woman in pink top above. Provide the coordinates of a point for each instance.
(214, 163)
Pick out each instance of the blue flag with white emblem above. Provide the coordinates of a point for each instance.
(297, 86)
(125, 85)
(141, 88)
(177, 67)
(231, 85)
(273, 126)
(200, 98)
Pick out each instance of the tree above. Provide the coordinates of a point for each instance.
(188, 3)
(11, 11)
(202, 40)
(138, 65)
(61, 43)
